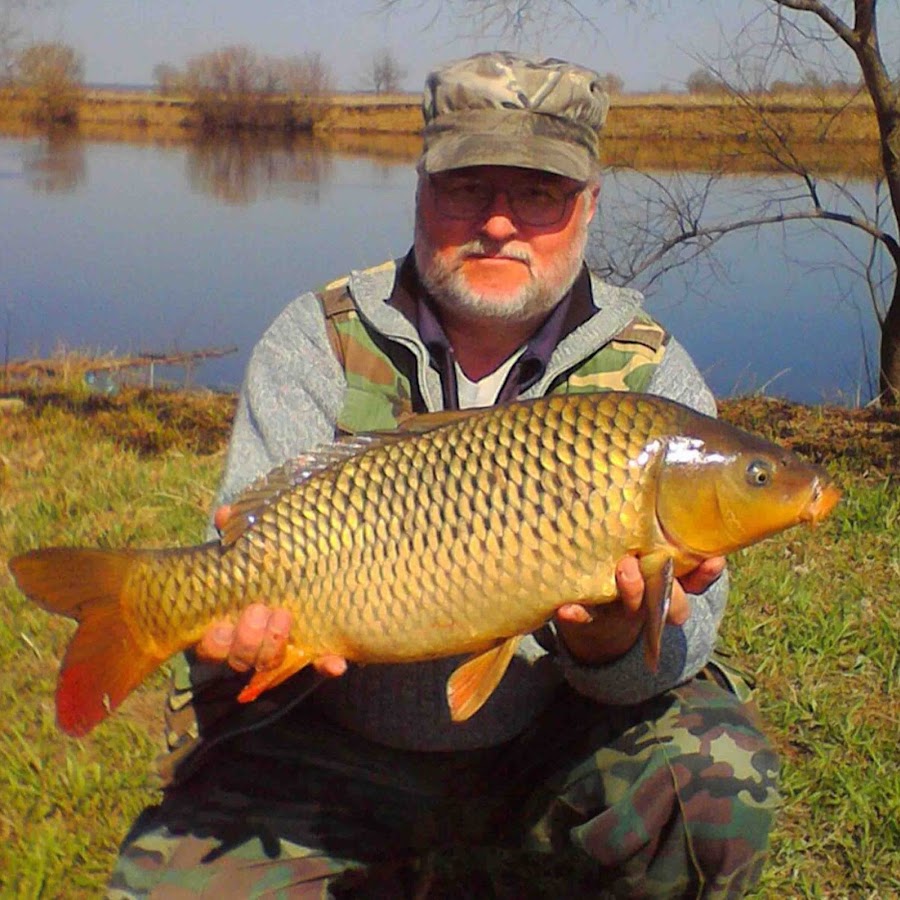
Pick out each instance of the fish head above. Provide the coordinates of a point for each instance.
(721, 488)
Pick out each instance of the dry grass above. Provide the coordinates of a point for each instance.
(647, 117)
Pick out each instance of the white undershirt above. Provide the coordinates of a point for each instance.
(483, 392)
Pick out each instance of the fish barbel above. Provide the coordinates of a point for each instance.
(457, 535)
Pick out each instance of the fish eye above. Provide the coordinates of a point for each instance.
(758, 474)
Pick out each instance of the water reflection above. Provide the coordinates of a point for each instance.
(55, 164)
(390, 148)
(740, 156)
(240, 169)
(778, 305)
(229, 231)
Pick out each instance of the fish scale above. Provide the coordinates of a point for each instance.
(458, 535)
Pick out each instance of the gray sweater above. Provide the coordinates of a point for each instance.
(290, 400)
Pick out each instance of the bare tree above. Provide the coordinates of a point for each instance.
(385, 72)
(13, 16)
(234, 88)
(307, 76)
(517, 19)
(811, 196)
(860, 35)
(612, 83)
(52, 75)
(810, 33)
(167, 78)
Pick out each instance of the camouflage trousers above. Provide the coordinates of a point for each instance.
(672, 798)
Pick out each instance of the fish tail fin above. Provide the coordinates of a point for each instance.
(104, 661)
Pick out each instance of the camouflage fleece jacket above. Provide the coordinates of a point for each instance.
(293, 395)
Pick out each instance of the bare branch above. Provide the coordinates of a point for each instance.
(824, 12)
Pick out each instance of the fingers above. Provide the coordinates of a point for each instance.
(704, 575)
(221, 517)
(274, 634)
(576, 613)
(257, 641)
(679, 606)
(331, 665)
(630, 583)
(216, 642)
(260, 637)
(693, 582)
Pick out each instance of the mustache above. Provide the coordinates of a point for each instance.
(480, 247)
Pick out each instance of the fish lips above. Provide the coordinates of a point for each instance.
(825, 497)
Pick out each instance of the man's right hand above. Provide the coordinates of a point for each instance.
(257, 641)
(259, 637)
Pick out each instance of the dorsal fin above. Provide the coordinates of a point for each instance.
(252, 501)
(249, 505)
(421, 423)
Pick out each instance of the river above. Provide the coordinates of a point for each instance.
(123, 247)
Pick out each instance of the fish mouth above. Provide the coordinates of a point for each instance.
(824, 499)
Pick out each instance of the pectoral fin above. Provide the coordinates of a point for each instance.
(294, 660)
(469, 687)
(658, 570)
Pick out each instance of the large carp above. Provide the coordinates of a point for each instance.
(459, 534)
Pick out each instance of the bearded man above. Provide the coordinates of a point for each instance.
(645, 783)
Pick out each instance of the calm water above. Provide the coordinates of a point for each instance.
(117, 247)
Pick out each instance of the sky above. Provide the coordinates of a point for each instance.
(122, 40)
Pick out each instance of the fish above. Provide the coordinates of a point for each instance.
(457, 534)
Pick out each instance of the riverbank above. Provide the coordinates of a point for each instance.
(813, 617)
(829, 133)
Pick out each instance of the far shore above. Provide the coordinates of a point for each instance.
(832, 132)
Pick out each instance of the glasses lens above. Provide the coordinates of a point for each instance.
(538, 204)
(534, 203)
(462, 198)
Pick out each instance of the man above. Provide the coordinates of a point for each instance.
(653, 784)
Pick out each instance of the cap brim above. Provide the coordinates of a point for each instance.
(546, 154)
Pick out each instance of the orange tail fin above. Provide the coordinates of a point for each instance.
(104, 661)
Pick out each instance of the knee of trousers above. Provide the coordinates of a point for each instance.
(695, 787)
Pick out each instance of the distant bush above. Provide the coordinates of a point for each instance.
(812, 83)
(612, 83)
(167, 79)
(234, 88)
(702, 81)
(51, 74)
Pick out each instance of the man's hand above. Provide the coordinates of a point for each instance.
(259, 637)
(257, 641)
(599, 634)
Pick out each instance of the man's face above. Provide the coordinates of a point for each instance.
(479, 252)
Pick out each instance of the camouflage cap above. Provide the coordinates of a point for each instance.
(504, 110)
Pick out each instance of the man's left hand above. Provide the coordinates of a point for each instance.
(600, 634)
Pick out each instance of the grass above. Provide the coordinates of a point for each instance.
(75, 468)
(813, 617)
(816, 624)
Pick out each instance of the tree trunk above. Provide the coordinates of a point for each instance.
(886, 100)
(889, 376)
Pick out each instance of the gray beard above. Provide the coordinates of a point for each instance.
(531, 302)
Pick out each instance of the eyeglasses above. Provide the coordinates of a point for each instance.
(538, 202)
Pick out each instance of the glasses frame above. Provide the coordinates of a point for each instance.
(568, 197)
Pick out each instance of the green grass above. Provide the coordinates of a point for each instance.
(814, 616)
(66, 804)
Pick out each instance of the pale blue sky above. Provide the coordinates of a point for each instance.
(122, 40)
